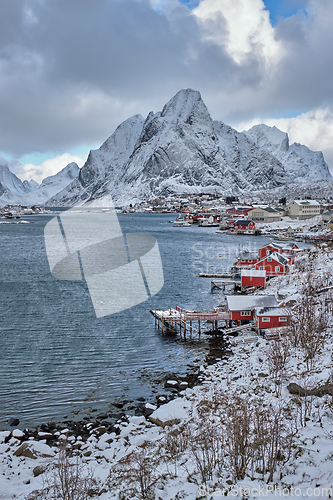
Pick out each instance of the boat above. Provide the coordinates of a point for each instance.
(283, 238)
(181, 223)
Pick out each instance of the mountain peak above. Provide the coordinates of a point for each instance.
(185, 104)
(263, 135)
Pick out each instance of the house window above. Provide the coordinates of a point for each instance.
(269, 259)
(265, 319)
(242, 260)
(245, 313)
(268, 252)
(277, 269)
(261, 268)
(283, 318)
(250, 261)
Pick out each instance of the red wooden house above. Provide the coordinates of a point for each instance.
(274, 264)
(275, 247)
(242, 307)
(252, 277)
(244, 225)
(246, 258)
(273, 317)
(200, 217)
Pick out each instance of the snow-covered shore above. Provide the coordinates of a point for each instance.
(187, 448)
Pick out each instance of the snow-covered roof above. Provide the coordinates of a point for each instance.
(249, 302)
(281, 259)
(244, 254)
(266, 209)
(306, 202)
(253, 273)
(243, 222)
(272, 311)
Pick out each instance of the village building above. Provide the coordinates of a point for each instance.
(244, 225)
(327, 216)
(264, 214)
(271, 317)
(275, 264)
(251, 277)
(239, 210)
(242, 307)
(246, 258)
(294, 230)
(286, 248)
(303, 209)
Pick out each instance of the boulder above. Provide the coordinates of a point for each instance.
(13, 422)
(33, 449)
(37, 471)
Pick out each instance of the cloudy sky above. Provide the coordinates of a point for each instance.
(72, 70)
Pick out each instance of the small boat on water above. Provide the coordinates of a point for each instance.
(181, 223)
(283, 238)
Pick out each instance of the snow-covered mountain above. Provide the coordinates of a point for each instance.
(182, 150)
(14, 191)
(300, 163)
(10, 183)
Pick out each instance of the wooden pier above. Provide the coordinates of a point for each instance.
(184, 319)
(207, 275)
(220, 285)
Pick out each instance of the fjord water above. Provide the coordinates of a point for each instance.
(57, 358)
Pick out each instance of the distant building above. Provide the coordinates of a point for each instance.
(238, 210)
(264, 214)
(303, 209)
(244, 225)
(327, 216)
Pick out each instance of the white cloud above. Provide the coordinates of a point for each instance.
(313, 129)
(241, 26)
(48, 167)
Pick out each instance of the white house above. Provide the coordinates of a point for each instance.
(303, 209)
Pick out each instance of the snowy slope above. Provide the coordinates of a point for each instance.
(28, 192)
(300, 163)
(9, 183)
(177, 150)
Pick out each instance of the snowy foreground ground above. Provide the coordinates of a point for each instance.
(241, 433)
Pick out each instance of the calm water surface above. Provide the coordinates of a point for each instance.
(57, 357)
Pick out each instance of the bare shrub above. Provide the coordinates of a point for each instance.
(66, 481)
(175, 443)
(205, 446)
(278, 354)
(237, 427)
(308, 327)
(136, 473)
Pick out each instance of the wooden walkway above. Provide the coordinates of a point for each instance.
(220, 285)
(184, 318)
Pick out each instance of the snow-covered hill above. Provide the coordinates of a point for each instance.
(14, 191)
(9, 183)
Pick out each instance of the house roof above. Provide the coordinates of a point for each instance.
(250, 302)
(266, 209)
(306, 202)
(253, 273)
(272, 311)
(247, 255)
(277, 257)
(243, 222)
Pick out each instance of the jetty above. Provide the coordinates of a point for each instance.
(220, 285)
(191, 321)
